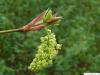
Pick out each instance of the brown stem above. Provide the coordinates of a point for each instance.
(10, 30)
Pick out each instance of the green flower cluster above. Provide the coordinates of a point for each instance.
(46, 52)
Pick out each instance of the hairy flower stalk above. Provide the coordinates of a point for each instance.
(44, 19)
(47, 51)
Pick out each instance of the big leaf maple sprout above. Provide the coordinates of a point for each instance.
(47, 51)
(44, 19)
(49, 47)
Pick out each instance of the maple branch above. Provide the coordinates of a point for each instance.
(10, 30)
(44, 19)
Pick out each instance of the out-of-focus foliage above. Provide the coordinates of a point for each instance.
(79, 33)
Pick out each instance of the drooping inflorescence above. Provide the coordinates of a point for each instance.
(47, 51)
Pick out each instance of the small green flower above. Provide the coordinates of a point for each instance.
(47, 51)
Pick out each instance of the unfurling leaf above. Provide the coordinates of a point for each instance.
(47, 15)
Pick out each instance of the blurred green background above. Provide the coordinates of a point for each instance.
(79, 34)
